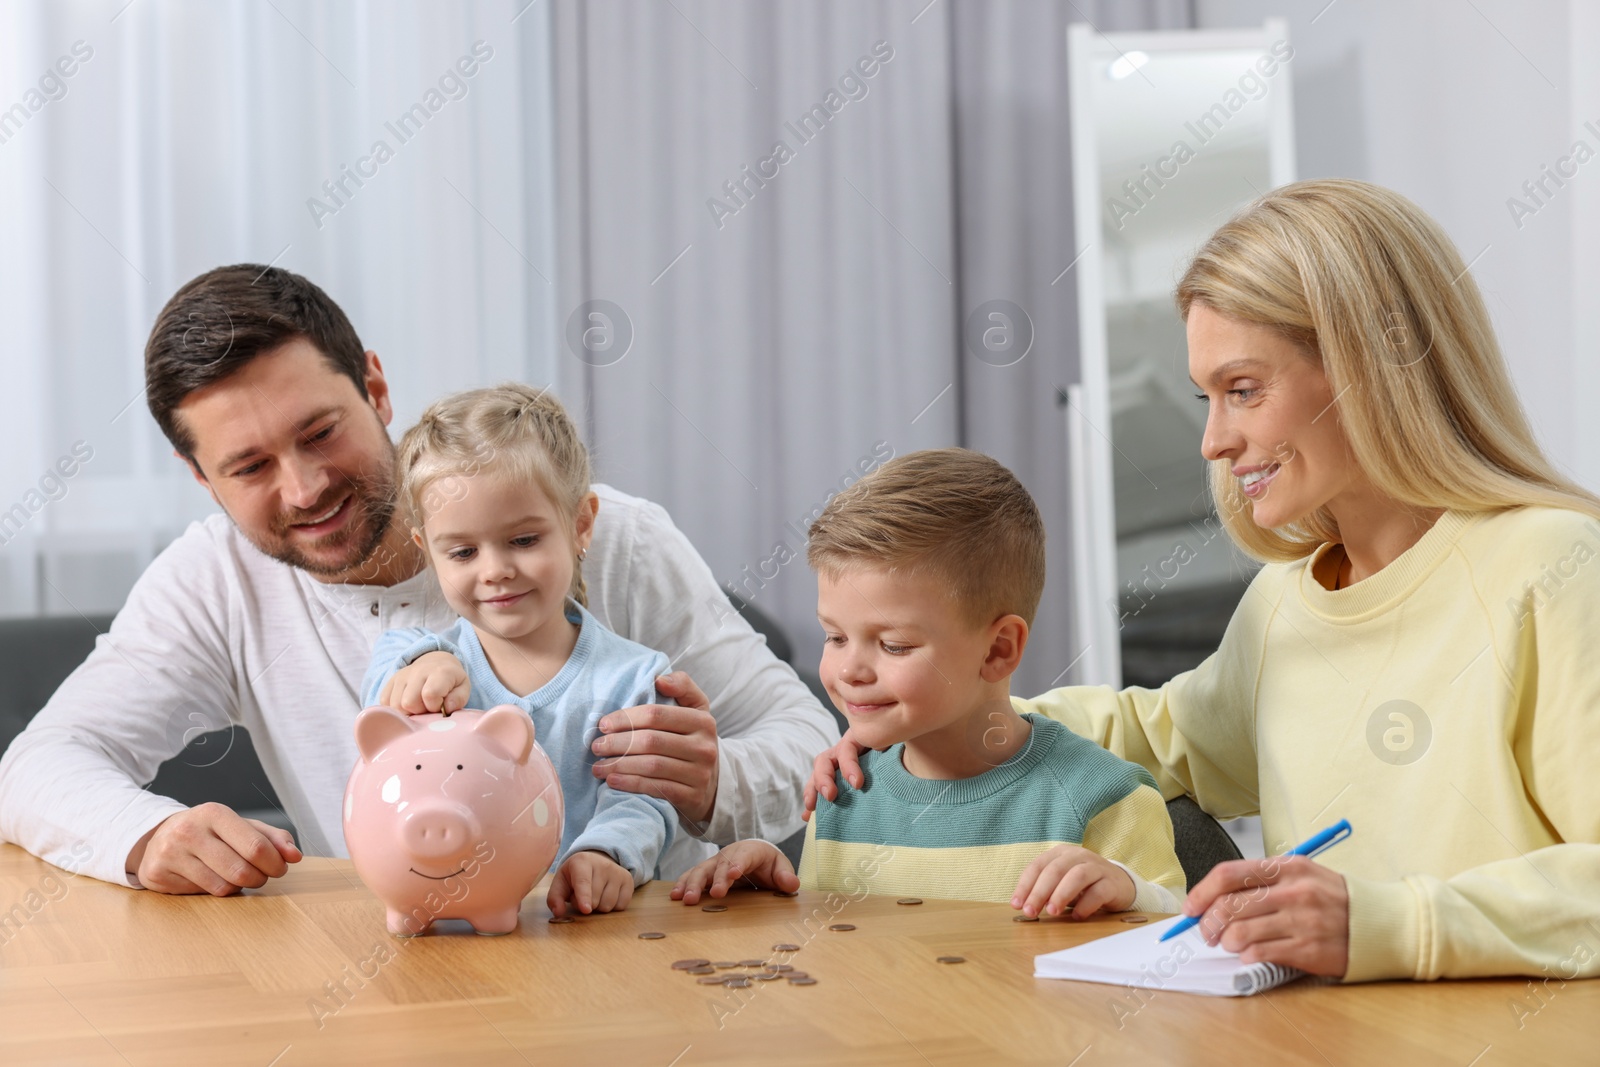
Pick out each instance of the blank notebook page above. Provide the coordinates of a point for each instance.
(1186, 964)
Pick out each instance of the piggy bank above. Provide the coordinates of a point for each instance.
(451, 817)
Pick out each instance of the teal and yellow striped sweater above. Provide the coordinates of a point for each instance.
(970, 838)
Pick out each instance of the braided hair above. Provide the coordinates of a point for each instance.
(511, 429)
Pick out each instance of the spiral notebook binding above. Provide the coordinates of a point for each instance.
(1261, 976)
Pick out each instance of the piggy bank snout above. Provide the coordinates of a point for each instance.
(439, 830)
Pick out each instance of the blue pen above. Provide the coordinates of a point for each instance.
(1325, 840)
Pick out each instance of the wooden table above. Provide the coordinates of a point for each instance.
(301, 972)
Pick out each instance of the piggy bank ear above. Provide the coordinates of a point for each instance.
(376, 727)
(507, 729)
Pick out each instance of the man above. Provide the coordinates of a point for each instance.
(265, 617)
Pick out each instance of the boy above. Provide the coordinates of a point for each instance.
(929, 571)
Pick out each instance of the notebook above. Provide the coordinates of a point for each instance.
(1186, 964)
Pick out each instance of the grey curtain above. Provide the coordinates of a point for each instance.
(767, 288)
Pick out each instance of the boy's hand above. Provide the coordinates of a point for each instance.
(757, 863)
(590, 882)
(1068, 873)
(434, 681)
(843, 758)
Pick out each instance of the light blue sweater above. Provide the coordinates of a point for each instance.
(605, 672)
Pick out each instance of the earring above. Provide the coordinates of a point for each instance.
(583, 553)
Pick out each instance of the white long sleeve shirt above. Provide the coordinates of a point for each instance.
(217, 633)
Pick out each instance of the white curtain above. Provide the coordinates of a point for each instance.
(787, 331)
(195, 134)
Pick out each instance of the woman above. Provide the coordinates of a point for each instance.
(1414, 656)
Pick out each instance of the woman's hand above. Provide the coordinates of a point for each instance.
(843, 758)
(1282, 909)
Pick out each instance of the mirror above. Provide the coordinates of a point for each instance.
(1172, 133)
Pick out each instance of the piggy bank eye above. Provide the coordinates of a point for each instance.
(458, 766)
(419, 766)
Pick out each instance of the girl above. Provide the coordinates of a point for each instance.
(496, 485)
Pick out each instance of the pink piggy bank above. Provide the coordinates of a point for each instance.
(451, 817)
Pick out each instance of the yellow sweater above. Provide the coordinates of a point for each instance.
(1448, 706)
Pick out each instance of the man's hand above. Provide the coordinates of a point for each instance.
(758, 864)
(590, 882)
(845, 758)
(661, 751)
(211, 849)
(1071, 876)
(434, 681)
(1282, 909)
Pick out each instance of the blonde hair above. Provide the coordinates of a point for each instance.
(1371, 286)
(512, 431)
(957, 516)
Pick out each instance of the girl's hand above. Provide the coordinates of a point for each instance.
(758, 864)
(1071, 876)
(590, 882)
(434, 681)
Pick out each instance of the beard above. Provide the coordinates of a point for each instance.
(337, 554)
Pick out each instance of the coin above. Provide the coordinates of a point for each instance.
(909, 900)
(1134, 919)
(559, 919)
(689, 965)
(792, 975)
(752, 963)
(737, 981)
(709, 981)
(765, 976)
(781, 893)
(841, 927)
(802, 981)
(785, 947)
(703, 970)
(952, 959)
(779, 968)
(651, 935)
(1024, 918)
(715, 907)
(724, 965)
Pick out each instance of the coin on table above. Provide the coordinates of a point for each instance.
(1135, 919)
(689, 965)
(736, 981)
(752, 963)
(557, 920)
(842, 927)
(797, 980)
(781, 893)
(909, 900)
(709, 981)
(708, 969)
(765, 976)
(1024, 918)
(785, 947)
(715, 907)
(952, 959)
(724, 965)
(779, 968)
(651, 935)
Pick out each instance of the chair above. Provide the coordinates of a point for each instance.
(37, 654)
(1199, 840)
